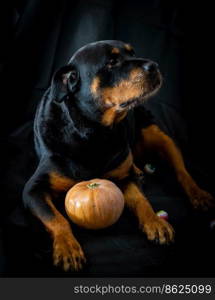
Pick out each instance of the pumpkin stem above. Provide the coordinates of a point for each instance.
(93, 185)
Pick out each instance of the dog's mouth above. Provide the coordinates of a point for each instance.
(130, 104)
(154, 88)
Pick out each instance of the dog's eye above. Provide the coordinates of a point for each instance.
(132, 53)
(113, 62)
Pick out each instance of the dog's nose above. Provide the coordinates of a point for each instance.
(150, 66)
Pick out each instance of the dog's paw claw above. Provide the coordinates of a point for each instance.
(159, 231)
(202, 200)
(67, 253)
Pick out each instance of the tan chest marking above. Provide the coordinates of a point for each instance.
(60, 183)
(122, 171)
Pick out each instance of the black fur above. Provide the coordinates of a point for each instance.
(69, 136)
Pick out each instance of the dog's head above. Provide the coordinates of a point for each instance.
(105, 79)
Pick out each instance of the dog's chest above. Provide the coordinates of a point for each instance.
(122, 170)
(104, 153)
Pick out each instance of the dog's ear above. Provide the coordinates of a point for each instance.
(64, 82)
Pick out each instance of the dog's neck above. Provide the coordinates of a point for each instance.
(82, 125)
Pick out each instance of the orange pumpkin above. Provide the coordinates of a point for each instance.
(94, 204)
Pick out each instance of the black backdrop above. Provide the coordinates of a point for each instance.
(39, 36)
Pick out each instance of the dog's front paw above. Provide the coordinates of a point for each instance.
(201, 199)
(158, 230)
(67, 253)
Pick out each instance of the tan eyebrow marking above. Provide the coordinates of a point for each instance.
(115, 50)
(128, 47)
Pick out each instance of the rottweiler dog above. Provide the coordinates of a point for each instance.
(91, 123)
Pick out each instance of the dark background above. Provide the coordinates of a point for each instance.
(37, 37)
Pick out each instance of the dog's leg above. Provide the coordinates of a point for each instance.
(155, 139)
(155, 228)
(37, 197)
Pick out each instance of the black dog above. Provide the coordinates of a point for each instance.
(91, 123)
